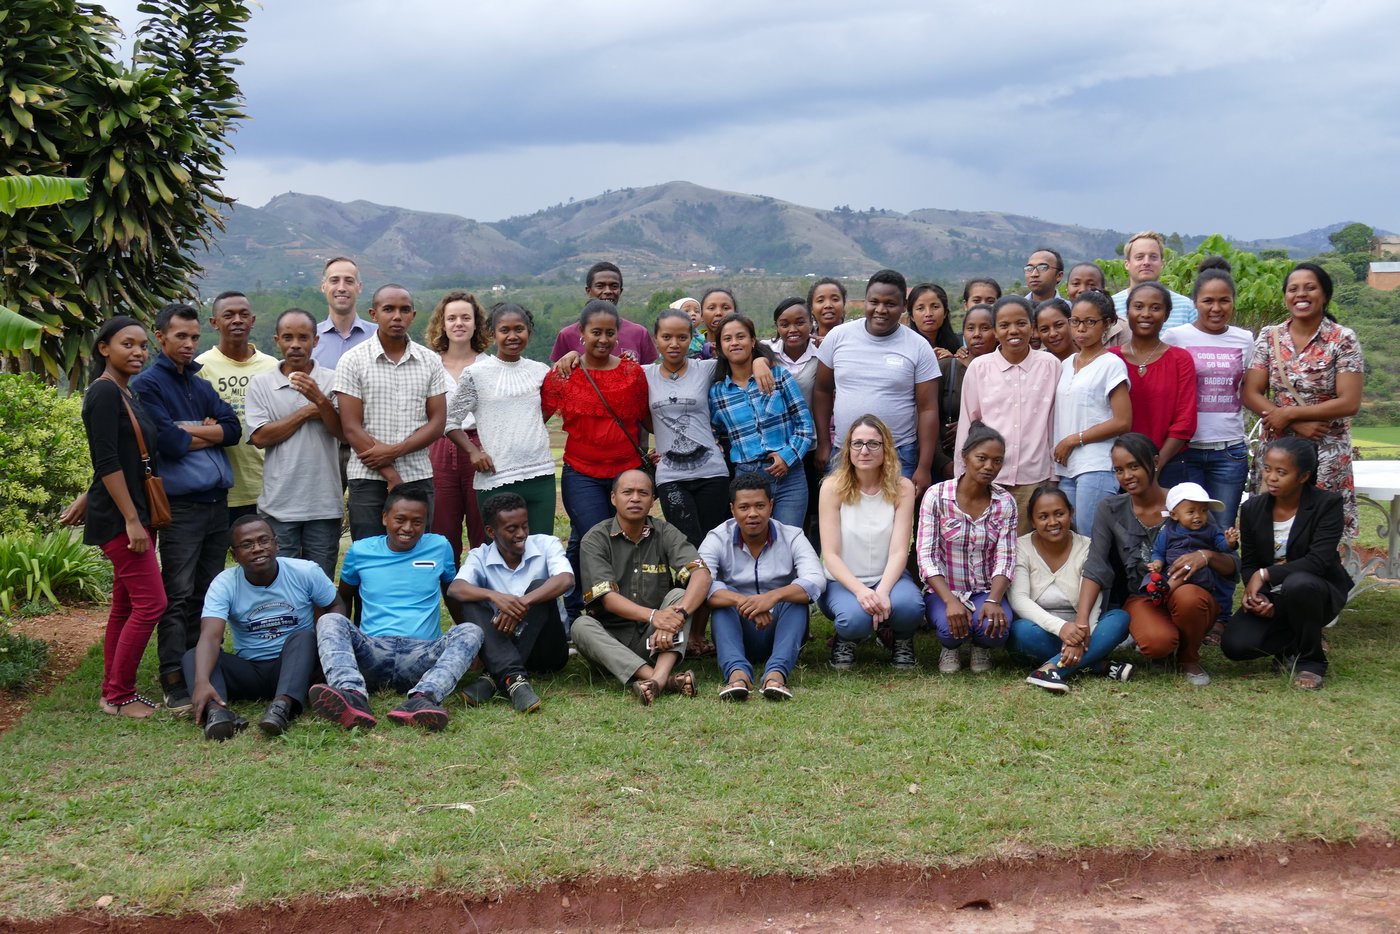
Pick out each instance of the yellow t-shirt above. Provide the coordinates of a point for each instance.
(230, 380)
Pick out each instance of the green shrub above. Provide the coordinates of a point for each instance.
(21, 660)
(52, 567)
(44, 459)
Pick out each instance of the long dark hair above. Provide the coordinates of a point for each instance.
(760, 349)
(110, 328)
(947, 338)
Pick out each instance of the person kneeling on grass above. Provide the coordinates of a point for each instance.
(271, 604)
(765, 576)
(399, 643)
(632, 566)
(510, 588)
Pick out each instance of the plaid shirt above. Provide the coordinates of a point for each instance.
(395, 398)
(967, 552)
(759, 424)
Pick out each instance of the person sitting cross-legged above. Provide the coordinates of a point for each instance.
(632, 566)
(766, 574)
(510, 588)
(399, 643)
(271, 604)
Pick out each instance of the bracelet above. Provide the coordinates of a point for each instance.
(1081, 439)
(651, 618)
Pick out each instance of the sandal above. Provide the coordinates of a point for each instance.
(119, 710)
(683, 683)
(646, 690)
(700, 647)
(1307, 681)
(1214, 634)
(775, 688)
(737, 690)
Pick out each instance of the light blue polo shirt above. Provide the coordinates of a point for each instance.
(261, 618)
(400, 591)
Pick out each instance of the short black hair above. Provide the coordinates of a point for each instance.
(412, 495)
(374, 299)
(984, 280)
(214, 305)
(749, 481)
(1059, 260)
(175, 310)
(889, 277)
(277, 325)
(501, 502)
(618, 479)
(596, 268)
(1303, 452)
(247, 519)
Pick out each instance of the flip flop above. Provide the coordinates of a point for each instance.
(737, 691)
(776, 690)
(647, 690)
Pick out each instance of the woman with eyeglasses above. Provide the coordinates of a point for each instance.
(1092, 409)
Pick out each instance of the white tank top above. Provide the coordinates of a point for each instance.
(866, 526)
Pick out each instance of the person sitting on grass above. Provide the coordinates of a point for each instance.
(510, 588)
(271, 604)
(634, 568)
(765, 576)
(398, 578)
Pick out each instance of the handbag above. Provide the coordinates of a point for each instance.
(647, 466)
(157, 503)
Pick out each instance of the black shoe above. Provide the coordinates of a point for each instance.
(420, 710)
(523, 697)
(220, 723)
(479, 692)
(1050, 679)
(1117, 671)
(348, 708)
(843, 654)
(277, 717)
(902, 655)
(176, 695)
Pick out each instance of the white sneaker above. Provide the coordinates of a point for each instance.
(948, 661)
(981, 659)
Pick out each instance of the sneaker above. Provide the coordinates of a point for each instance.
(843, 654)
(1050, 679)
(277, 717)
(348, 708)
(176, 695)
(479, 692)
(902, 655)
(523, 697)
(420, 710)
(949, 662)
(220, 723)
(1116, 671)
(981, 659)
(1198, 678)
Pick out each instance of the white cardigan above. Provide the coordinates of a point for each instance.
(1033, 577)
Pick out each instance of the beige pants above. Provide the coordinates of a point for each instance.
(619, 647)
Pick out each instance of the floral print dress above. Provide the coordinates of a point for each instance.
(1310, 377)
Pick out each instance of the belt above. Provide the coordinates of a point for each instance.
(1213, 445)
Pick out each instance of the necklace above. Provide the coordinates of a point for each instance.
(673, 375)
(1161, 348)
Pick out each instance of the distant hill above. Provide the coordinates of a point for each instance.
(664, 230)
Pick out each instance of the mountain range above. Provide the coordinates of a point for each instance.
(663, 230)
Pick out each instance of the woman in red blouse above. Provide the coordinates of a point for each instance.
(603, 403)
(1161, 378)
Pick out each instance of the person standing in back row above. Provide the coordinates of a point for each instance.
(1143, 255)
(343, 328)
(604, 282)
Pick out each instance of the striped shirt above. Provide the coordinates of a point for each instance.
(395, 399)
(967, 552)
(759, 424)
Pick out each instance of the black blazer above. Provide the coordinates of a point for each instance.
(1312, 544)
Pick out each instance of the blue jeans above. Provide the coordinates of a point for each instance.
(976, 626)
(1034, 646)
(1223, 473)
(354, 661)
(854, 624)
(588, 501)
(789, 492)
(739, 644)
(1085, 492)
(315, 540)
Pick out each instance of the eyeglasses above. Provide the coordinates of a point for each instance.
(1083, 322)
(1039, 267)
(261, 541)
(867, 445)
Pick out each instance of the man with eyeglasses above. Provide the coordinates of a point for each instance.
(271, 604)
(1044, 270)
(1143, 256)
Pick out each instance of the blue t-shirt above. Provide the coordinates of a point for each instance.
(400, 591)
(261, 618)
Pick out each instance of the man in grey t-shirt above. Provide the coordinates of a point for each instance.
(876, 366)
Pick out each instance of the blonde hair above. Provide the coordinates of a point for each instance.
(844, 476)
(1145, 235)
(436, 337)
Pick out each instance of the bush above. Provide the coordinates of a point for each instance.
(52, 567)
(44, 459)
(21, 660)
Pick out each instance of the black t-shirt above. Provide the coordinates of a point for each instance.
(112, 446)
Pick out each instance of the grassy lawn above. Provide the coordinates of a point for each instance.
(863, 767)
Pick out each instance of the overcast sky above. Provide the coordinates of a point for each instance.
(1253, 119)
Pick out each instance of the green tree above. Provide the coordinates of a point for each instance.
(19, 335)
(148, 137)
(661, 299)
(1353, 238)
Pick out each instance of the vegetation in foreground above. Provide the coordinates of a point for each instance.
(864, 767)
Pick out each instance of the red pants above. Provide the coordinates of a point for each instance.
(1176, 628)
(138, 600)
(454, 499)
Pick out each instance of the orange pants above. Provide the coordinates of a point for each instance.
(1175, 629)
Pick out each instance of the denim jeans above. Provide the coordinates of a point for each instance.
(976, 626)
(789, 491)
(366, 505)
(1031, 645)
(740, 645)
(354, 661)
(192, 552)
(588, 501)
(314, 539)
(1223, 473)
(854, 624)
(1085, 492)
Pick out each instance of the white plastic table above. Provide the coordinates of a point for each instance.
(1377, 485)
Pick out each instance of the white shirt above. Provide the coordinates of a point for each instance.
(1081, 402)
(1221, 361)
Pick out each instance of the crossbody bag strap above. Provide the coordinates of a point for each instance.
(603, 399)
(135, 426)
(1283, 376)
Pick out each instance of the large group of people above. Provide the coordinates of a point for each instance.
(1058, 478)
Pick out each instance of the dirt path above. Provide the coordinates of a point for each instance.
(69, 633)
(1299, 887)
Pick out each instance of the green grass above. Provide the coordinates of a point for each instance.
(863, 767)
